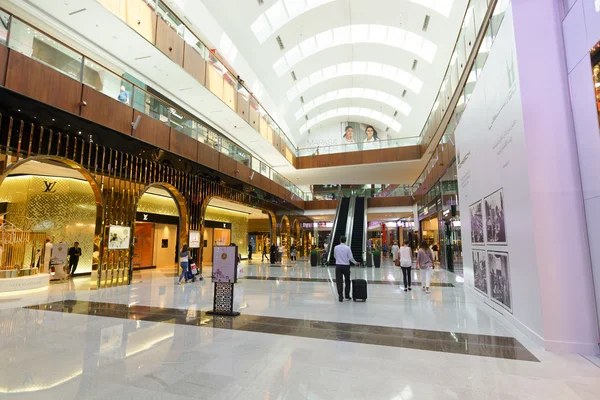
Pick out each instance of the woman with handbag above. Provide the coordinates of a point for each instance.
(183, 260)
(405, 259)
(425, 265)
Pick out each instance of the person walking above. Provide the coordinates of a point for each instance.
(405, 255)
(249, 251)
(293, 252)
(184, 257)
(74, 254)
(436, 253)
(343, 257)
(395, 250)
(264, 253)
(280, 250)
(273, 253)
(425, 265)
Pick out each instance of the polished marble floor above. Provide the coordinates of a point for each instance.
(294, 340)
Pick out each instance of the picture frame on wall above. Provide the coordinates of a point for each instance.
(495, 222)
(119, 237)
(499, 278)
(477, 227)
(194, 240)
(480, 271)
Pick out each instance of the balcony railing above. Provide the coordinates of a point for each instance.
(54, 54)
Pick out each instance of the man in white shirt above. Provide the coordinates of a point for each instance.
(343, 257)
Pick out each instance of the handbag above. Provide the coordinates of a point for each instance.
(397, 262)
(193, 267)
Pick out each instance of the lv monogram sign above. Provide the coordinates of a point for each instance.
(49, 187)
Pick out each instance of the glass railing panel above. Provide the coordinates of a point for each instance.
(227, 147)
(106, 82)
(230, 88)
(183, 123)
(4, 24)
(264, 170)
(256, 165)
(170, 18)
(34, 44)
(145, 103)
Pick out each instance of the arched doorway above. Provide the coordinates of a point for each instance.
(160, 228)
(226, 221)
(49, 197)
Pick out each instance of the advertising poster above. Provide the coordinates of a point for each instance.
(224, 270)
(59, 254)
(119, 237)
(194, 240)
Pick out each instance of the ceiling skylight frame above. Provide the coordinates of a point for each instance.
(352, 68)
(356, 34)
(263, 29)
(353, 112)
(354, 93)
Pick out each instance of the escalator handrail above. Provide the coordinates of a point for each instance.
(335, 221)
(350, 221)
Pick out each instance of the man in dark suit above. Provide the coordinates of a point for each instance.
(74, 254)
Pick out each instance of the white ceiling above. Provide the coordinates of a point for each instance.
(343, 44)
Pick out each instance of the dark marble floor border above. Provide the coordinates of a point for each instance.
(372, 282)
(446, 342)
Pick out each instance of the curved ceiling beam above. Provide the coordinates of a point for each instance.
(284, 11)
(353, 111)
(354, 68)
(355, 93)
(354, 34)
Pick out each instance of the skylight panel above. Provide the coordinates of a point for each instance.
(261, 28)
(352, 34)
(352, 111)
(341, 36)
(299, 114)
(378, 33)
(359, 68)
(325, 39)
(280, 14)
(308, 47)
(320, 100)
(370, 93)
(276, 15)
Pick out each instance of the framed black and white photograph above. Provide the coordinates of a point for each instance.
(476, 213)
(494, 218)
(119, 237)
(499, 268)
(480, 271)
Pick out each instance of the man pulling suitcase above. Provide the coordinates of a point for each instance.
(343, 257)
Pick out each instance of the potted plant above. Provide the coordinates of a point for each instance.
(377, 258)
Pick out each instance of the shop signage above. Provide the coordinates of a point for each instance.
(49, 187)
(224, 264)
(217, 224)
(157, 218)
(194, 240)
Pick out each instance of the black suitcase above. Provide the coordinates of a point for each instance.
(359, 289)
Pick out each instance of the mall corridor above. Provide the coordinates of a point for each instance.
(299, 199)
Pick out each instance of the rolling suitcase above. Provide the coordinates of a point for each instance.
(359, 289)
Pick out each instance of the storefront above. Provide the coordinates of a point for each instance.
(156, 233)
(215, 234)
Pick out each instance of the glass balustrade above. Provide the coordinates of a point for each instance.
(34, 44)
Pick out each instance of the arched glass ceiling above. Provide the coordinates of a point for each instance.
(355, 93)
(353, 34)
(351, 112)
(279, 14)
(357, 68)
(283, 11)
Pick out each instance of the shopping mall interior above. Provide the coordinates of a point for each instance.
(299, 199)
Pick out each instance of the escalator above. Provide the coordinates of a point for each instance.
(339, 227)
(357, 241)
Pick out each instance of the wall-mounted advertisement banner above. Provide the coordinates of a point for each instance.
(224, 260)
(354, 136)
(194, 240)
(119, 237)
